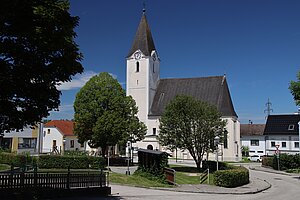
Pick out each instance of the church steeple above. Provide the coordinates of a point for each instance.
(143, 40)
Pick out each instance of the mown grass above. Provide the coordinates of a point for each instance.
(296, 171)
(134, 180)
(4, 167)
(189, 175)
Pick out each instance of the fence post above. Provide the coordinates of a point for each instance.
(208, 176)
(68, 178)
(35, 177)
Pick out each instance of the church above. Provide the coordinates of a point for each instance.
(152, 93)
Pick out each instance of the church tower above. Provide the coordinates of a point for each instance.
(142, 74)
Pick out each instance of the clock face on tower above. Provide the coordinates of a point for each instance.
(137, 55)
(154, 57)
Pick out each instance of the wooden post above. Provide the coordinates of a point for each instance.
(68, 178)
(35, 177)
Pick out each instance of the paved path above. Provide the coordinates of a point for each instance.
(264, 184)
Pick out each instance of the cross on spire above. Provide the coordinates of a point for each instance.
(144, 7)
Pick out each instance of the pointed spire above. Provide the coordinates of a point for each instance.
(143, 38)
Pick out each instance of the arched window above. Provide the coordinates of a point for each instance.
(150, 147)
(137, 67)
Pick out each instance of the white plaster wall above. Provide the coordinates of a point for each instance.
(246, 141)
(77, 145)
(48, 139)
(137, 84)
(233, 152)
(278, 139)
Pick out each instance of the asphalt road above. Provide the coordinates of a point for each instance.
(283, 188)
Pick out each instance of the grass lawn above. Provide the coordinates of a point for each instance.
(4, 167)
(188, 175)
(134, 180)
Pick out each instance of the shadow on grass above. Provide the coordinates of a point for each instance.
(187, 169)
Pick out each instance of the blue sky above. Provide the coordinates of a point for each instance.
(256, 43)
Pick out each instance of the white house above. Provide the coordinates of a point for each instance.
(152, 93)
(58, 136)
(252, 136)
(282, 131)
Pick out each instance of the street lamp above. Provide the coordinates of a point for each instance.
(128, 153)
(216, 143)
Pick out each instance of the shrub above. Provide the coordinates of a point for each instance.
(231, 178)
(286, 161)
(151, 174)
(16, 160)
(267, 161)
(74, 162)
(212, 165)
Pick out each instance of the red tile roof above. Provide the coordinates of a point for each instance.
(64, 126)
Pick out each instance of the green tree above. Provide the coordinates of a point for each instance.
(191, 125)
(104, 115)
(37, 52)
(295, 89)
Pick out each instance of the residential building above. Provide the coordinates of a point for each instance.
(252, 136)
(282, 131)
(21, 141)
(152, 94)
(58, 136)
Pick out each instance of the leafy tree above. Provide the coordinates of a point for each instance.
(104, 115)
(295, 89)
(191, 125)
(37, 52)
(245, 151)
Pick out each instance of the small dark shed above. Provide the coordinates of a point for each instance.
(153, 160)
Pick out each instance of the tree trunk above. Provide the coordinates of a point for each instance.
(198, 163)
(103, 151)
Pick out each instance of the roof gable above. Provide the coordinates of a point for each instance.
(64, 126)
(282, 124)
(213, 90)
(143, 39)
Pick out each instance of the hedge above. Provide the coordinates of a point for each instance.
(53, 161)
(74, 162)
(267, 161)
(212, 165)
(235, 177)
(286, 161)
(16, 160)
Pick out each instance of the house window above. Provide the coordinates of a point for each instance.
(137, 67)
(71, 143)
(154, 131)
(153, 68)
(283, 144)
(26, 143)
(291, 127)
(150, 147)
(48, 131)
(260, 151)
(254, 142)
(272, 144)
(226, 139)
(296, 144)
(251, 151)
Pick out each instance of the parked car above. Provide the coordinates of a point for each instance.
(255, 158)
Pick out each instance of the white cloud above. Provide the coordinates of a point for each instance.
(77, 82)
